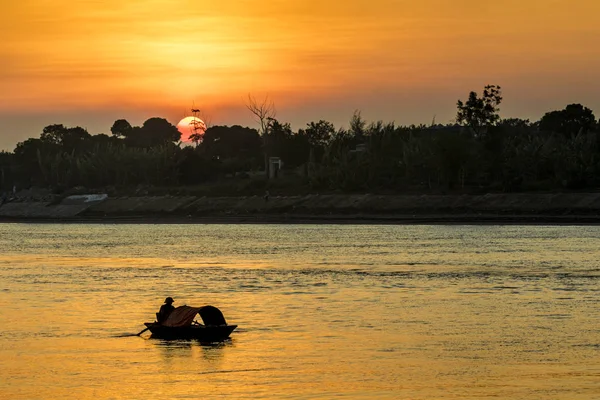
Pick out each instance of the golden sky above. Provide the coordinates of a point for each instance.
(89, 62)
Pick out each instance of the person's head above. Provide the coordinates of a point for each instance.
(169, 300)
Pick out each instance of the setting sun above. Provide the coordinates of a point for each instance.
(189, 126)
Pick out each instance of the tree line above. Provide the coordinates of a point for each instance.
(479, 152)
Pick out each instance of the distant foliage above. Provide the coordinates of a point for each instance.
(482, 153)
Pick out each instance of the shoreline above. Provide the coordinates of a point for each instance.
(359, 219)
(489, 209)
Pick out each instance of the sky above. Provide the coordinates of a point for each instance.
(88, 62)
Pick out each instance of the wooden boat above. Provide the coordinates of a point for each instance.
(181, 325)
(202, 333)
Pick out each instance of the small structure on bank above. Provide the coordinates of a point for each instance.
(275, 167)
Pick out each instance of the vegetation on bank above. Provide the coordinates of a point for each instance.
(481, 152)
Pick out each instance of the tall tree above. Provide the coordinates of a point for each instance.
(319, 134)
(358, 126)
(161, 131)
(479, 113)
(263, 113)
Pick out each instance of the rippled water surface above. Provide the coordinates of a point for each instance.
(324, 311)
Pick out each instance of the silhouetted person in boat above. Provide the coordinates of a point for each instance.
(165, 310)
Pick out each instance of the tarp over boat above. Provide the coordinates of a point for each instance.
(184, 316)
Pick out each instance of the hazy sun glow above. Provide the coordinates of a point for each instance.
(190, 125)
(88, 63)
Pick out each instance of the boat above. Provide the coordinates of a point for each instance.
(181, 325)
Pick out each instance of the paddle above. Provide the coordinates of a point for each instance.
(142, 332)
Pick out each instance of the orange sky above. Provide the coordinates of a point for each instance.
(90, 62)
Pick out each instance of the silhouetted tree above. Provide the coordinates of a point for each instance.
(30, 156)
(283, 142)
(68, 138)
(357, 126)
(480, 113)
(238, 142)
(278, 135)
(161, 130)
(263, 112)
(121, 128)
(154, 132)
(53, 133)
(571, 121)
(318, 134)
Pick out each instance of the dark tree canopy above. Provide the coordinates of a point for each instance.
(278, 135)
(514, 123)
(70, 139)
(319, 134)
(231, 142)
(53, 133)
(154, 132)
(292, 148)
(480, 113)
(357, 126)
(59, 134)
(160, 130)
(121, 128)
(571, 121)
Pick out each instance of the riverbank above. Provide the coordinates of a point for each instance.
(544, 208)
(348, 220)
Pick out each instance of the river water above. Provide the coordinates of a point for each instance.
(324, 311)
